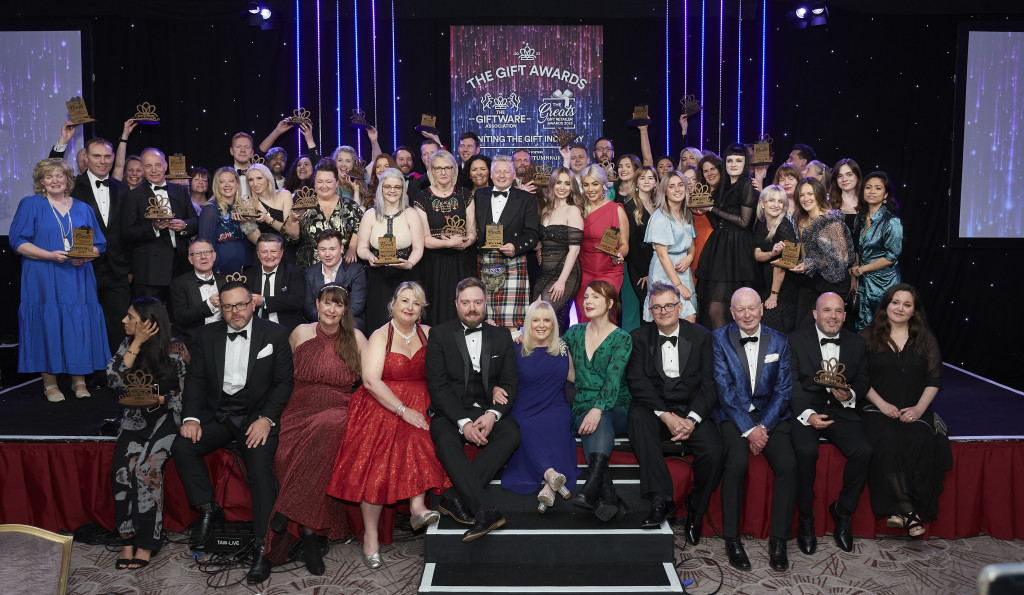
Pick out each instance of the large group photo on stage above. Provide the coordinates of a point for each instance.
(394, 297)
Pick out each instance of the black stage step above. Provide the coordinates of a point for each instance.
(575, 579)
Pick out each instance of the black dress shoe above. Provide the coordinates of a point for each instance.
(451, 506)
(805, 537)
(694, 523)
(311, 554)
(777, 557)
(260, 569)
(737, 555)
(841, 533)
(661, 508)
(210, 514)
(487, 520)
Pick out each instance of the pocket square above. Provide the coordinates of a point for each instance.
(268, 350)
(771, 357)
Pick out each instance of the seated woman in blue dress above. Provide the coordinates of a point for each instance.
(547, 451)
(219, 225)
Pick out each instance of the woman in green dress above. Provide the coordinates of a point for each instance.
(599, 351)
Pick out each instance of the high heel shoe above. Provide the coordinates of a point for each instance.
(55, 397)
(546, 497)
(422, 520)
(82, 393)
(557, 485)
(374, 561)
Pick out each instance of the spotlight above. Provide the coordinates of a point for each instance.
(265, 13)
(801, 12)
(808, 14)
(254, 8)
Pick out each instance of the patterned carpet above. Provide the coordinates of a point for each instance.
(887, 566)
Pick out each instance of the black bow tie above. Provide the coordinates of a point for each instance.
(243, 333)
(164, 188)
(104, 182)
(662, 339)
(501, 193)
(241, 172)
(745, 340)
(834, 341)
(475, 329)
(205, 281)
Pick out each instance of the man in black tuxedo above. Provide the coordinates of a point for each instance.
(468, 362)
(159, 247)
(195, 296)
(516, 211)
(332, 268)
(830, 412)
(670, 375)
(279, 289)
(236, 387)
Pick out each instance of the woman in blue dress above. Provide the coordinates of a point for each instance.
(60, 321)
(878, 234)
(219, 226)
(671, 232)
(547, 450)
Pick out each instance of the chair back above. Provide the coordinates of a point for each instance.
(33, 560)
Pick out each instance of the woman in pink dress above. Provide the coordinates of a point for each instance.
(599, 214)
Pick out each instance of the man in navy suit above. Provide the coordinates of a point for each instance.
(332, 268)
(278, 288)
(752, 370)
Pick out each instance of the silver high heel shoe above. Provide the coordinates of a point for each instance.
(422, 520)
(373, 562)
(557, 484)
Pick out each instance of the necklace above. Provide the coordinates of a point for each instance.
(64, 234)
(408, 338)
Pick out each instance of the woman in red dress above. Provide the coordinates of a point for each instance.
(599, 213)
(326, 356)
(387, 454)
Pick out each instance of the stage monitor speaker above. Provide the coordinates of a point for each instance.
(229, 538)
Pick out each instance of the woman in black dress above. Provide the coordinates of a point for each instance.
(727, 261)
(639, 204)
(275, 206)
(911, 449)
(561, 234)
(773, 227)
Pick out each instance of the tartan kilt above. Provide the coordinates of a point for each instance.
(507, 305)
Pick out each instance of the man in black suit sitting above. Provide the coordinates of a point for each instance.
(671, 377)
(467, 363)
(279, 290)
(195, 296)
(237, 385)
(332, 268)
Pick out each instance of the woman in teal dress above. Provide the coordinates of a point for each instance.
(60, 321)
(599, 351)
(879, 234)
(671, 232)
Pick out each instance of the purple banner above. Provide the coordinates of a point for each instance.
(515, 86)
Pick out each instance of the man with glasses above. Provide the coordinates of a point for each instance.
(670, 377)
(237, 385)
(194, 298)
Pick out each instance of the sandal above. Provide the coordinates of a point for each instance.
(55, 397)
(122, 563)
(895, 521)
(83, 393)
(139, 563)
(914, 526)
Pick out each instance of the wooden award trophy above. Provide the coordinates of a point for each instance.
(300, 117)
(77, 112)
(358, 120)
(640, 117)
(159, 208)
(81, 243)
(790, 255)
(176, 169)
(387, 252)
(540, 174)
(140, 390)
(609, 243)
(235, 277)
(564, 137)
(763, 152)
(146, 114)
(831, 374)
(700, 197)
(249, 209)
(691, 107)
(428, 124)
(495, 236)
(305, 198)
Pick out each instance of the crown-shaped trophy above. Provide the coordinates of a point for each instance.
(640, 117)
(176, 169)
(541, 174)
(564, 137)
(763, 151)
(527, 53)
(690, 105)
(256, 159)
(428, 124)
(82, 243)
(358, 120)
(247, 208)
(140, 390)
(77, 112)
(700, 197)
(305, 198)
(609, 170)
(300, 117)
(454, 226)
(831, 374)
(159, 208)
(145, 113)
(239, 277)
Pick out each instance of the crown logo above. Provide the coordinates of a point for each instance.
(564, 137)
(358, 119)
(256, 159)
(140, 390)
(454, 226)
(159, 208)
(305, 198)
(235, 277)
(690, 105)
(541, 174)
(146, 112)
(300, 116)
(527, 53)
(831, 373)
(700, 197)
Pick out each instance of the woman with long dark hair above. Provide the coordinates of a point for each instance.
(879, 234)
(381, 164)
(144, 441)
(300, 175)
(639, 205)
(331, 212)
(709, 169)
(845, 190)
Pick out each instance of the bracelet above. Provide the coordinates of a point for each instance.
(775, 293)
(122, 140)
(400, 410)
(135, 353)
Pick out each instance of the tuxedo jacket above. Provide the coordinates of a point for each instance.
(774, 385)
(269, 374)
(519, 218)
(154, 260)
(694, 390)
(449, 367)
(351, 276)
(112, 266)
(289, 293)
(806, 361)
(188, 309)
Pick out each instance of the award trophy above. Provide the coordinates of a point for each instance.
(81, 243)
(564, 137)
(640, 117)
(305, 198)
(790, 255)
(140, 390)
(146, 114)
(78, 113)
(609, 242)
(495, 236)
(176, 169)
(300, 117)
(235, 277)
(387, 253)
(256, 159)
(831, 374)
(763, 151)
(540, 175)
(159, 208)
(700, 197)
(358, 120)
(247, 208)
(428, 124)
(454, 226)
(691, 106)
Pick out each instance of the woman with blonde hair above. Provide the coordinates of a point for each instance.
(670, 231)
(274, 206)
(219, 225)
(771, 228)
(600, 214)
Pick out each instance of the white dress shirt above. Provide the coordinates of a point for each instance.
(828, 351)
(273, 279)
(670, 365)
(102, 195)
(474, 344)
(206, 292)
(329, 274)
(751, 349)
(236, 360)
(498, 203)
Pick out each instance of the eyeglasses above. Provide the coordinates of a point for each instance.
(658, 309)
(235, 307)
(398, 188)
(201, 253)
(444, 169)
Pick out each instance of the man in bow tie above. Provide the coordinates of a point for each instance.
(237, 385)
(195, 297)
(752, 370)
(241, 154)
(831, 412)
(159, 246)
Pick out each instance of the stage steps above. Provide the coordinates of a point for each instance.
(565, 550)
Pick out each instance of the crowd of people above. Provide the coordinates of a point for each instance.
(354, 327)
